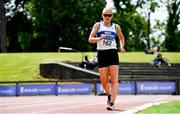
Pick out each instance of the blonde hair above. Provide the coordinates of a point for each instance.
(107, 9)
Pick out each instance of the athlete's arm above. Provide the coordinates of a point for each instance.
(121, 38)
(92, 36)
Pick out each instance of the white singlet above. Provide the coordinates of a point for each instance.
(109, 42)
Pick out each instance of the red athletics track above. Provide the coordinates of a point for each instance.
(75, 104)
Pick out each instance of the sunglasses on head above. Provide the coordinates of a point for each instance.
(107, 15)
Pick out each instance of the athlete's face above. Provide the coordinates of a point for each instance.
(107, 16)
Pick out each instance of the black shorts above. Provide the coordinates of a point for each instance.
(107, 57)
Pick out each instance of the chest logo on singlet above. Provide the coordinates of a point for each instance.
(109, 38)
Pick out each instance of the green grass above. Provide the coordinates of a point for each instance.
(172, 107)
(147, 58)
(25, 66)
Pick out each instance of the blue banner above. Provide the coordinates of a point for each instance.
(75, 89)
(127, 88)
(7, 90)
(69, 89)
(124, 88)
(41, 89)
(156, 87)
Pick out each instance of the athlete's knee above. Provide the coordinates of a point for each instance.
(114, 81)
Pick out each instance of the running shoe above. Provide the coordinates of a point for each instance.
(111, 107)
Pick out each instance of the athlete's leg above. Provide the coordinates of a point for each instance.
(113, 70)
(104, 77)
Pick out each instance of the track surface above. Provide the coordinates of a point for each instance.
(75, 104)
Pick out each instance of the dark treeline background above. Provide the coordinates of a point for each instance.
(45, 25)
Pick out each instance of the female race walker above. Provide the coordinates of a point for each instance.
(104, 34)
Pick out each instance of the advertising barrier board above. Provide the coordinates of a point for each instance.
(140, 87)
(69, 89)
(39, 89)
(156, 87)
(7, 90)
(124, 88)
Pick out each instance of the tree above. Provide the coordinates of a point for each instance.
(158, 41)
(172, 39)
(19, 33)
(64, 23)
(2, 27)
(151, 9)
(134, 26)
(19, 27)
(149, 6)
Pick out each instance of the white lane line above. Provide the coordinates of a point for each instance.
(22, 103)
(160, 99)
(136, 109)
(39, 104)
(70, 107)
(154, 102)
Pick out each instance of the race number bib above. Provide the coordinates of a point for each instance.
(107, 42)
